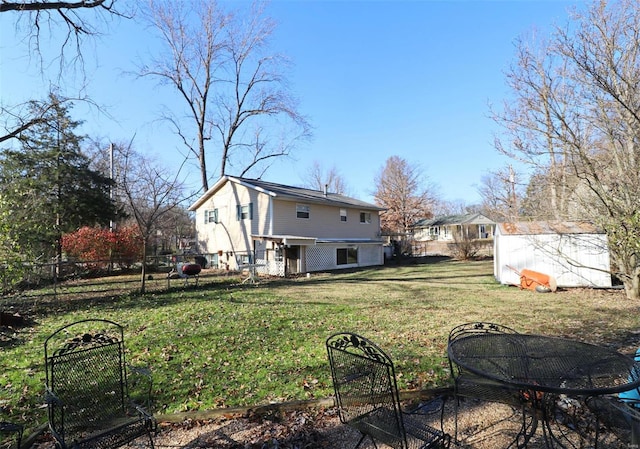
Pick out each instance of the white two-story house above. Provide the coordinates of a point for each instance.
(280, 230)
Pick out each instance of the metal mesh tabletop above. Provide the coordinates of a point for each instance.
(548, 364)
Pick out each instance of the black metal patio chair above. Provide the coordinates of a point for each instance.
(620, 413)
(618, 417)
(367, 397)
(87, 388)
(10, 433)
(473, 386)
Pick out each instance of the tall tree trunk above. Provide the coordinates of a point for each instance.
(203, 165)
(632, 284)
(143, 271)
(632, 288)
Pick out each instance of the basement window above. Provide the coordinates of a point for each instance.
(346, 256)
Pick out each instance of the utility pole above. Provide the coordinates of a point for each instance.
(112, 181)
(513, 200)
(111, 188)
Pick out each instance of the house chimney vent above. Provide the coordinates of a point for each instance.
(326, 190)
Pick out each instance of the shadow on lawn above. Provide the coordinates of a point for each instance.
(70, 297)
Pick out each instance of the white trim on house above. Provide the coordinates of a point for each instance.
(287, 240)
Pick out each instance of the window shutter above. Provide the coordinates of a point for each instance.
(215, 215)
(250, 211)
(238, 212)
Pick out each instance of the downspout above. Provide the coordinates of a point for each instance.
(270, 227)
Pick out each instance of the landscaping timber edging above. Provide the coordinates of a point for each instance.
(266, 409)
(259, 410)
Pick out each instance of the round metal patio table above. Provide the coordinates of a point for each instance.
(544, 364)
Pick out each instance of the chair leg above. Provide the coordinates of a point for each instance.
(444, 403)
(362, 438)
(456, 406)
(360, 441)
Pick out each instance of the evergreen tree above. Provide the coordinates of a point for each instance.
(48, 186)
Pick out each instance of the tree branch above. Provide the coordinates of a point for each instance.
(44, 5)
(16, 132)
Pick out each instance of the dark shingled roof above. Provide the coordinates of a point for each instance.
(291, 193)
(446, 220)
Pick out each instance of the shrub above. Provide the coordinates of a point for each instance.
(464, 247)
(98, 247)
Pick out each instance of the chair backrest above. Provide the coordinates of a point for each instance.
(476, 328)
(85, 372)
(632, 397)
(365, 388)
(480, 327)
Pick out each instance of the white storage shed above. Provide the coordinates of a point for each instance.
(576, 254)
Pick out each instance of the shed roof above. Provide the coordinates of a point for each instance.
(286, 192)
(548, 227)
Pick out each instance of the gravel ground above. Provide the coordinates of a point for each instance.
(481, 425)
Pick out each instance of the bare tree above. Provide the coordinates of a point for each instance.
(533, 123)
(401, 190)
(59, 6)
(586, 97)
(454, 207)
(235, 94)
(70, 16)
(501, 193)
(36, 17)
(318, 178)
(151, 194)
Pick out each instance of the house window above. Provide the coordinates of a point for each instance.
(365, 217)
(302, 211)
(211, 216)
(343, 214)
(346, 256)
(244, 212)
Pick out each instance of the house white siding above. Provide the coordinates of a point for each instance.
(323, 222)
(231, 235)
(574, 259)
(277, 229)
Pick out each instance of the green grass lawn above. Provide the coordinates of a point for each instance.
(223, 344)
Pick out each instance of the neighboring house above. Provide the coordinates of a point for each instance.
(444, 228)
(576, 254)
(281, 230)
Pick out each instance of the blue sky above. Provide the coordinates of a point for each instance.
(375, 79)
